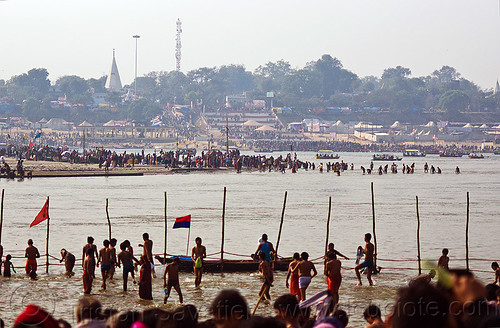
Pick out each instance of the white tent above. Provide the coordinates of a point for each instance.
(430, 124)
(468, 125)
(484, 126)
(85, 124)
(338, 123)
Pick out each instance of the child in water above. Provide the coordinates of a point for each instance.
(7, 265)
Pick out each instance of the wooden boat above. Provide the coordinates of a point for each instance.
(450, 154)
(263, 151)
(214, 266)
(476, 156)
(413, 153)
(384, 157)
(327, 156)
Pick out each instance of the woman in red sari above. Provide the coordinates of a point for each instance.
(145, 283)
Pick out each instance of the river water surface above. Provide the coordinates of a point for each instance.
(254, 204)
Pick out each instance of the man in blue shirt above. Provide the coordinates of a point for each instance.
(266, 248)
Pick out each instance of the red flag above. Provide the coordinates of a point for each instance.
(30, 145)
(42, 215)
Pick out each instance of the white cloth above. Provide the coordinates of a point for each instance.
(304, 282)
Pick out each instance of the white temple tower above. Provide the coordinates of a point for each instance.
(113, 82)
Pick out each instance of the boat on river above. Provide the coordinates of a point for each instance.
(476, 156)
(214, 266)
(326, 154)
(385, 157)
(450, 154)
(413, 153)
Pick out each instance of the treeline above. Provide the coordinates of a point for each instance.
(321, 83)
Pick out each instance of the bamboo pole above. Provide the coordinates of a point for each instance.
(1, 216)
(222, 239)
(467, 235)
(109, 222)
(266, 289)
(418, 239)
(47, 240)
(165, 239)
(374, 235)
(328, 222)
(281, 225)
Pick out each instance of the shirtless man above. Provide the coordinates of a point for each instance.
(88, 266)
(333, 276)
(147, 251)
(112, 250)
(90, 245)
(105, 260)
(125, 258)
(331, 249)
(69, 262)
(31, 254)
(293, 275)
(172, 270)
(368, 262)
(305, 267)
(496, 268)
(197, 255)
(267, 274)
(444, 260)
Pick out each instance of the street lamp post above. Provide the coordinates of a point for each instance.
(136, 37)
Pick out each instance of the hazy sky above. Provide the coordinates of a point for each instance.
(77, 37)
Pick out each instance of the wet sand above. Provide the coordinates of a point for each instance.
(48, 169)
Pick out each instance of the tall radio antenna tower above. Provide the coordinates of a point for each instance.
(178, 45)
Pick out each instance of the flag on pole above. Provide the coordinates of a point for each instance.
(38, 135)
(183, 222)
(42, 215)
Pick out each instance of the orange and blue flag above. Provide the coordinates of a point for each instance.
(183, 222)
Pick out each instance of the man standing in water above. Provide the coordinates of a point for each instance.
(88, 266)
(172, 271)
(444, 260)
(305, 267)
(368, 262)
(266, 248)
(90, 245)
(267, 275)
(333, 276)
(105, 260)
(126, 259)
(147, 251)
(197, 255)
(31, 254)
(69, 262)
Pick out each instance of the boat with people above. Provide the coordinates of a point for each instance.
(413, 153)
(263, 151)
(214, 266)
(476, 156)
(326, 154)
(450, 154)
(385, 157)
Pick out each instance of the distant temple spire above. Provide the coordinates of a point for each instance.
(113, 82)
(497, 88)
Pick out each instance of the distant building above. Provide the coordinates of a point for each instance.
(113, 82)
(497, 88)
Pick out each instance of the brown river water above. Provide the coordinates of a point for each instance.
(254, 204)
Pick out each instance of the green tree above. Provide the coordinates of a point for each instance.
(97, 85)
(76, 89)
(143, 110)
(454, 101)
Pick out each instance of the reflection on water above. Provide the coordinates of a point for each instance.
(254, 202)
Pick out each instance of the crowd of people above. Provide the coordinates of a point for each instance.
(456, 300)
